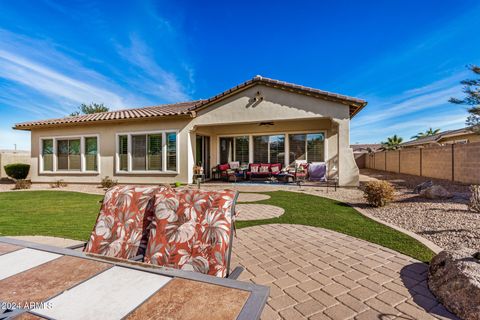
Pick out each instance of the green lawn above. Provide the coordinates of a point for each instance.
(49, 213)
(72, 215)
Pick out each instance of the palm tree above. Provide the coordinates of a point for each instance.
(392, 143)
(428, 133)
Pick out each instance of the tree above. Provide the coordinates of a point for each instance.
(472, 90)
(392, 143)
(89, 109)
(428, 133)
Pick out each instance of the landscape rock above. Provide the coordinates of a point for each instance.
(454, 278)
(423, 186)
(435, 192)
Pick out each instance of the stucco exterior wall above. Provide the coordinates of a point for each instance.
(238, 114)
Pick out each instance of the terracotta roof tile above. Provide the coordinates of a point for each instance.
(186, 108)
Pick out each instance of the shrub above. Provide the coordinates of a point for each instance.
(22, 184)
(58, 184)
(474, 204)
(17, 171)
(378, 193)
(178, 184)
(107, 182)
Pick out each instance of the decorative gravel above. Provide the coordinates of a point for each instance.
(252, 197)
(257, 211)
(447, 223)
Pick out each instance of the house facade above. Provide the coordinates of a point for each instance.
(463, 135)
(259, 121)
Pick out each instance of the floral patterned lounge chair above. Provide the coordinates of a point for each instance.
(121, 229)
(193, 230)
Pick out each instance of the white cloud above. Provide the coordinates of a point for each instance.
(155, 79)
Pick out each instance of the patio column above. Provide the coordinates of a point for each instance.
(348, 173)
(191, 145)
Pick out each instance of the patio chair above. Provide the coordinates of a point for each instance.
(121, 229)
(193, 230)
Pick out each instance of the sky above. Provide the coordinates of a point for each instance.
(405, 58)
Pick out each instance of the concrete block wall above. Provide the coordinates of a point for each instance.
(410, 161)
(393, 164)
(437, 162)
(467, 163)
(459, 162)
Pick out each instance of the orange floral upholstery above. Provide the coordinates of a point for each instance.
(192, 230)
(121, 229)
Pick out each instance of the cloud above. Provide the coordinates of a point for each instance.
(155, 80)
(411, 101)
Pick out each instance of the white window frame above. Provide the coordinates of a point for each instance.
(82, 154)
(287, 143)
(164, 152)
(306, 144)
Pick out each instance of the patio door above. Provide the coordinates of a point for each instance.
(202, 155)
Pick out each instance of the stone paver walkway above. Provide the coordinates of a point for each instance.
(252, 197)
(320, 274)
(257, 211)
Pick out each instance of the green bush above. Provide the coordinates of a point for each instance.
(108, 182)
(178, 184)
(379, 193)
(17, 171)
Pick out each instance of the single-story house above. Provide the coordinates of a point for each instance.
(259, 121)
(463, 135)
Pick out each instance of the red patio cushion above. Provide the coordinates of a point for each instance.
(192, 230)
(121, 227)
(223, 167)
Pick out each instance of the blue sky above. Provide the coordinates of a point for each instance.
(405, 58)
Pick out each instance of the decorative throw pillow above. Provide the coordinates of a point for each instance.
(234, 165)
(192, 230)
(254, 168)
(275, 168)
(264, 168)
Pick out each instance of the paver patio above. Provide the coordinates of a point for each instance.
(257, 211)
(320, 274)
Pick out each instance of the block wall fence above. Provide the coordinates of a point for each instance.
(456, 162)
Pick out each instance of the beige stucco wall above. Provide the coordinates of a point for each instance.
(13, 157)
(237, 114)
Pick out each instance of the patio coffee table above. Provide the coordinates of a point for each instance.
(44, 282)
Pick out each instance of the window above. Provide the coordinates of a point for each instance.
(123, 153)
(269, 149)
(234, 149)
(171, 151)
(68, 155)
(47, 154)
(241, 150)
(156, 151)
(91, 151)
(309, 147)
(78, 154)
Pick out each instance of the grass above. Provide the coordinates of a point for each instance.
(72, 215)
(48, 213)
(337, 216)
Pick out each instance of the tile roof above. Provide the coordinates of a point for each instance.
(189, 108)
(436, 137)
